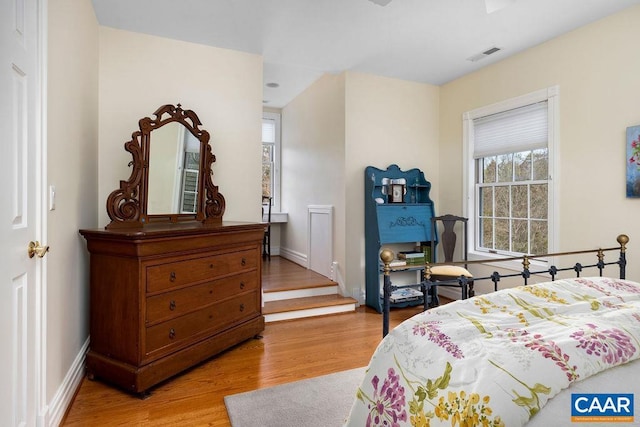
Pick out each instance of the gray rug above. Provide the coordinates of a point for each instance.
(322, 401)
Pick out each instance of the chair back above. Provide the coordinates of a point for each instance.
(448, 237)
(266, 208)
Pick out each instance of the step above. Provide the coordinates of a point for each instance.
(328, 288)
(297, 308)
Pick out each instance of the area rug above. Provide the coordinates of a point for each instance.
(322, 401)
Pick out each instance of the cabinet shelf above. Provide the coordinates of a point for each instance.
(407, 223)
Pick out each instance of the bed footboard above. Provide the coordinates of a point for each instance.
(429, 287)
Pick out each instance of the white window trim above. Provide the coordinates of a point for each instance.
(551, 95)
(276, 207)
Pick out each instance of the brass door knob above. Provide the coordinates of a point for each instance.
(35, 248)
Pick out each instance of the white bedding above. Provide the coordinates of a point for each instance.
(620, 379)
(497, 359)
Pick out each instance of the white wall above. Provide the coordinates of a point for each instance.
(597, 71)
(139, 73)
(72, 167)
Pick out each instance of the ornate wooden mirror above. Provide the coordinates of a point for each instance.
(175, 183)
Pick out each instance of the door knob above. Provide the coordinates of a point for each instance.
(35, 248)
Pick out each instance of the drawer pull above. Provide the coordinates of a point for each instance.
(244, 261)
(241, 307)
(172, 333)
(210, 265)
(172, 305)
(172, 276)
(241, 285)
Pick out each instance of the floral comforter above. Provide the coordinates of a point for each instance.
(496, 359)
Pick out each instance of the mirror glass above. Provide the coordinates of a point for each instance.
(174, 167)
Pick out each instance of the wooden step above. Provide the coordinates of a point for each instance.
(303, 290)
(296, 308)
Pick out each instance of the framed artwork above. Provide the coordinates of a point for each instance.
(633, 161)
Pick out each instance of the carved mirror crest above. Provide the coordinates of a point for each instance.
(175, 183)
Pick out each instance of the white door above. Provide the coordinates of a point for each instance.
(20, 220)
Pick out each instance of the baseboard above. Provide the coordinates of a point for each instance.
(63, 398)
(294, 256)
(336, 276)
(451, 293)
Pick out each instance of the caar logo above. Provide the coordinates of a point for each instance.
(602, 407)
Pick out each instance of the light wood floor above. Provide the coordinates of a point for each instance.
(289, 351)
(280, 274)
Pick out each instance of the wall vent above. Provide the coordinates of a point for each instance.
(484, 54)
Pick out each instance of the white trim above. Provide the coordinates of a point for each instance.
(299, 293)
(320, 311)
(450, 293)
(294, 256)
(326, 210)
(178, 184)
(63, 397)
(551, 95)
(554, 172)
(277, 217)
(336, 276)
(277, 159)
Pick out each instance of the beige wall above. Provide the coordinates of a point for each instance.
(102, 80)
(139, 73)
(313, 163)
(331, 132)
(597, 72)
(387, 121)
(72, 136)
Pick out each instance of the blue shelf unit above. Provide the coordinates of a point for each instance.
(408, 222)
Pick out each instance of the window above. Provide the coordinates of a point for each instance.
(190, 170)
(509, 153)
(271, 157)
(190, 174)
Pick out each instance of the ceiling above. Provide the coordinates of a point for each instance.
(426, 41)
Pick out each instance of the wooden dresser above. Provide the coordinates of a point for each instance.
(168, 296)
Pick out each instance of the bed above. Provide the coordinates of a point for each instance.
(497, 359)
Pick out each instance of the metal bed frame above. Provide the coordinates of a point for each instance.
(429, 287)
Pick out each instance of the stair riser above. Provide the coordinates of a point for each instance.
(298, 314)
(299, 293)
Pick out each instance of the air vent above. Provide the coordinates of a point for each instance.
(381, 2)
(484, 54)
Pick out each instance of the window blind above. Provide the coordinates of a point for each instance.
(192, 144)
(511, 131)
(268, 130)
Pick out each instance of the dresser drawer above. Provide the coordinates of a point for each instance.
(181, 273)
(211, 319)
(176, 303)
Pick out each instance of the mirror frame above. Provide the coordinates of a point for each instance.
(127, 206)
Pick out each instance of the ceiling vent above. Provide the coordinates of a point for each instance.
(484, 54)
(381, 2)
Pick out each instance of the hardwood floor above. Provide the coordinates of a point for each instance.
(280, 274)
(289, 351)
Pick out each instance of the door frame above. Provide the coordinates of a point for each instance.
(40, 169)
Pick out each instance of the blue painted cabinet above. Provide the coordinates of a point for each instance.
(390, 219)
